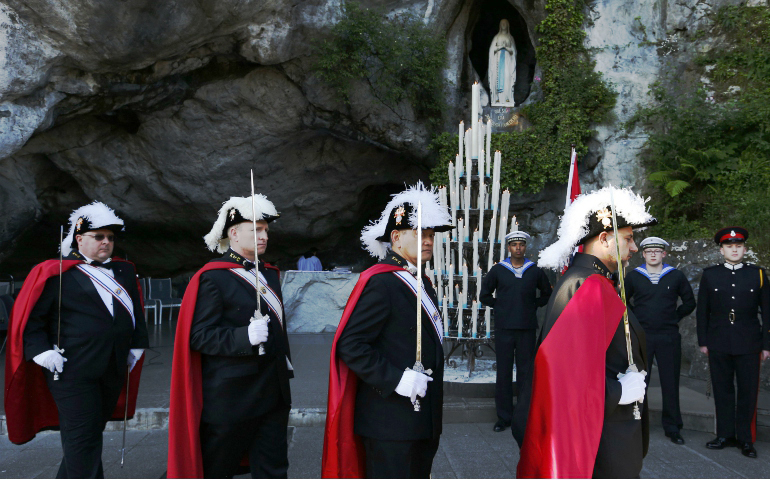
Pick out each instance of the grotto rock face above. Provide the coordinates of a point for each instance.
(160, 109)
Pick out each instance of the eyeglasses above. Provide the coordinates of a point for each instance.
(654, 252)
(100, 236)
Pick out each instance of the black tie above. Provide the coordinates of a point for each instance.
(248, 265)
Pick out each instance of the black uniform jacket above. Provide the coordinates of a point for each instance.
(619, 423)
(89, 333)
(516, 301)
(655, 305)
(740, 295)
(238, 383)
(378, 344)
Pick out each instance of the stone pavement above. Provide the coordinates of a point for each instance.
(467, 450)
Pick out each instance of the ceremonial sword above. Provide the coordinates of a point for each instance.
(125, 415)
(256, 255)
(418, 367)
(58, 330)
(631, 365)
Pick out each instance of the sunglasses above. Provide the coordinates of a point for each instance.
(100, 236)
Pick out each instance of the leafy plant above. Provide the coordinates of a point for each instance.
(399, 58)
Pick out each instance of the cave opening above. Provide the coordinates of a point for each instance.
(487, 24)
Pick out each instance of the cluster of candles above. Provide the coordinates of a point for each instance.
(448, 247)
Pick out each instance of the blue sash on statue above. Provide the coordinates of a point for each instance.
(501, 72)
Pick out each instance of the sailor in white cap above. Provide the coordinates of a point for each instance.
(232, 353)
(511, 287)
(372, 427)
(94, 321)
(585, 393)
(653, 290)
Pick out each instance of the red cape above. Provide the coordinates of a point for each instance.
(184, 443)
(29, 406)
(567, 408)
(343, 454)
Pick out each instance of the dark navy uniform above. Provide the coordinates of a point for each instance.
(378, 344)
(655, 306)
(515, 303)
(96, 345)
(246, 396)
(730, 302)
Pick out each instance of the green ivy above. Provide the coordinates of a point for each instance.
(710, 154)
(574, 97)
(400, 58)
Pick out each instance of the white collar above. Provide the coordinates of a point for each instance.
(90, 261)
(730, 266)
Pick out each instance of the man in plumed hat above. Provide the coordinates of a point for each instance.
(732, 299)
(77, 329)
(511, 287)
(230, 394)
(652, 290)
(585, 393)
(373, 428)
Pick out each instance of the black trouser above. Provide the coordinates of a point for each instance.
(397, 459)
(667, 348)
(85, 407)
(510, 344)
(725, 370)
(263, 438)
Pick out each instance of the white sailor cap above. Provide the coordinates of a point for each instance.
(401, 214)
(654, 242)
(517, 235)
(93, 216)
(234, 211)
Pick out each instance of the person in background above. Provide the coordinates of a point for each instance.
(309, 262)
(653, 290)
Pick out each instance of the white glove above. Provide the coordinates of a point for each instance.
(633, 388)
(258, 328)
(413, 384)
(133, 356)
(51, 359)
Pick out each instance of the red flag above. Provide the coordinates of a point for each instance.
(573, 190)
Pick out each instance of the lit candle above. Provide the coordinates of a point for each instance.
(465, 285)
(467, 210)
(514, 224)
(494, 201)
(489, 144)
(487, 321)
(504, 204)
(447, 259)
(450, 293)
(474, 318)
(476, 97)
(481, 207)
(460, 137)
(459, 322)
(475, 250)
(478, 284)
(480, 129)
(460, 245)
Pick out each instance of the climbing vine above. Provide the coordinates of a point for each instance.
(709, 144)
(574, 97)
(399, 57)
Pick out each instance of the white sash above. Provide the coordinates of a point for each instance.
(507, 264)
(111, 285)
(267, 293)
(427, 303)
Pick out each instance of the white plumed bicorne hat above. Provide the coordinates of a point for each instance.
(234, 211)
(93, 216)
(588, 216)
(401, 214)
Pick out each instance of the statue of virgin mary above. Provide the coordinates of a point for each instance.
(502, 67)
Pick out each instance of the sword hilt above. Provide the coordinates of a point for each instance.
(419, 369)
